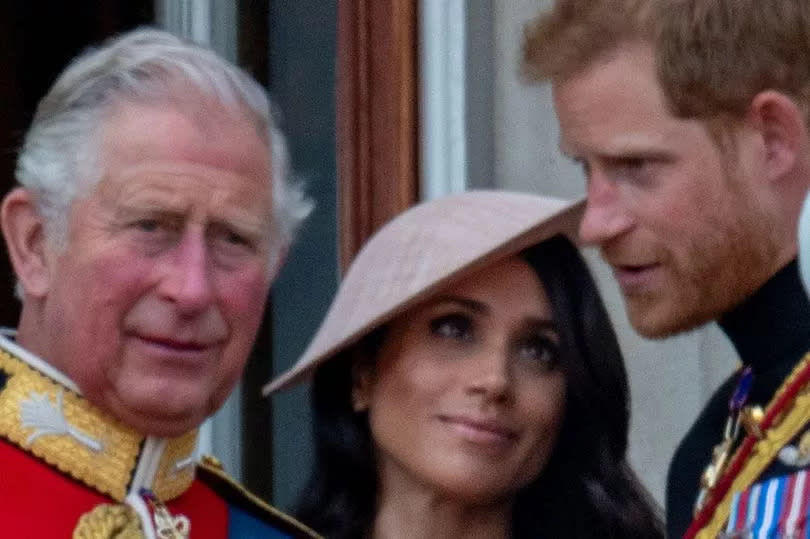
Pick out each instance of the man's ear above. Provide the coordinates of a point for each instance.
(781, 124)
(23, 230)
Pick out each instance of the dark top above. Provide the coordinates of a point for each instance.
(771, 333)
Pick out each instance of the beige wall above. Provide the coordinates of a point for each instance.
(670, 379)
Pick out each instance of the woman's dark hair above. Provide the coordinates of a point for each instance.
(586, 488)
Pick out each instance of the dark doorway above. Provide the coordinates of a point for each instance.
(37, 39)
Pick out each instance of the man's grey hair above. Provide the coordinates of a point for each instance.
(60, 157)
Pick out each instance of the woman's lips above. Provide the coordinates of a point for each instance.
(482, 431)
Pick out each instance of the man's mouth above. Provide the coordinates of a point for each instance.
(175, 344)
(174, 352)
(635, 278)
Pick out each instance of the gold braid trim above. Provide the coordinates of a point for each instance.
(784, 429)
(214, 467)
(169, 482)
(109, 522)
(108, 470)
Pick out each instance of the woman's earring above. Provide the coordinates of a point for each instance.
(359, 403)
(361, 388)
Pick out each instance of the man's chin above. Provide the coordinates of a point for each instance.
(155, 419)
(163, 426)
(660, 323)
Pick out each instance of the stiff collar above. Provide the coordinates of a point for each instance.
(44, 413)
(773, 325)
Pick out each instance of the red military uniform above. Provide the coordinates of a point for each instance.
(68, 469)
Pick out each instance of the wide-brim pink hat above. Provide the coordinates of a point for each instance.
(423, 250)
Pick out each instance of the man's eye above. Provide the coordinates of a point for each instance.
(631, 164)
(633, 169)
(453, 326)
(234, 244)
(147, 225)
(228, 237)
(236, 239)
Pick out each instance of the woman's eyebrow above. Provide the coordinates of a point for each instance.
(536, 323)
(471, 304)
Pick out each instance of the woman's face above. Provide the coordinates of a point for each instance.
(467, 396)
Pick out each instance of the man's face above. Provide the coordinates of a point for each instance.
(153, 306)
(684, 225)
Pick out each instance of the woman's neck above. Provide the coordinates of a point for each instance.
(410, 509)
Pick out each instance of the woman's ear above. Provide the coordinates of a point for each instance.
(24, 232)
(781, 125)
(362, 385)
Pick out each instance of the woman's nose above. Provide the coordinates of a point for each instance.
(490, 374)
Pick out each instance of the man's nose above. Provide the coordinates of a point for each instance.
(605, 216)
(187, 281)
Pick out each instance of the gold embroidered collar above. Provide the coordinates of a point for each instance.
(44, 413)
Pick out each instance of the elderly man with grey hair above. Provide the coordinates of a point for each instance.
(152, 215)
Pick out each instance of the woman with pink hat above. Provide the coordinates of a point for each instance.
(467, 383)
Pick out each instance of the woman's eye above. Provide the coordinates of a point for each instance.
(541, 350)
(454, 326)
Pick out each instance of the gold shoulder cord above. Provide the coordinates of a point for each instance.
(109, 522)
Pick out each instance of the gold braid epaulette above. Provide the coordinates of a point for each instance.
(109, 462)
(789, 420)
(107, 470)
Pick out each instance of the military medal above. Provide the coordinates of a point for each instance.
(167, 526)
(786, 415)
(798, 455)
(721, 451)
